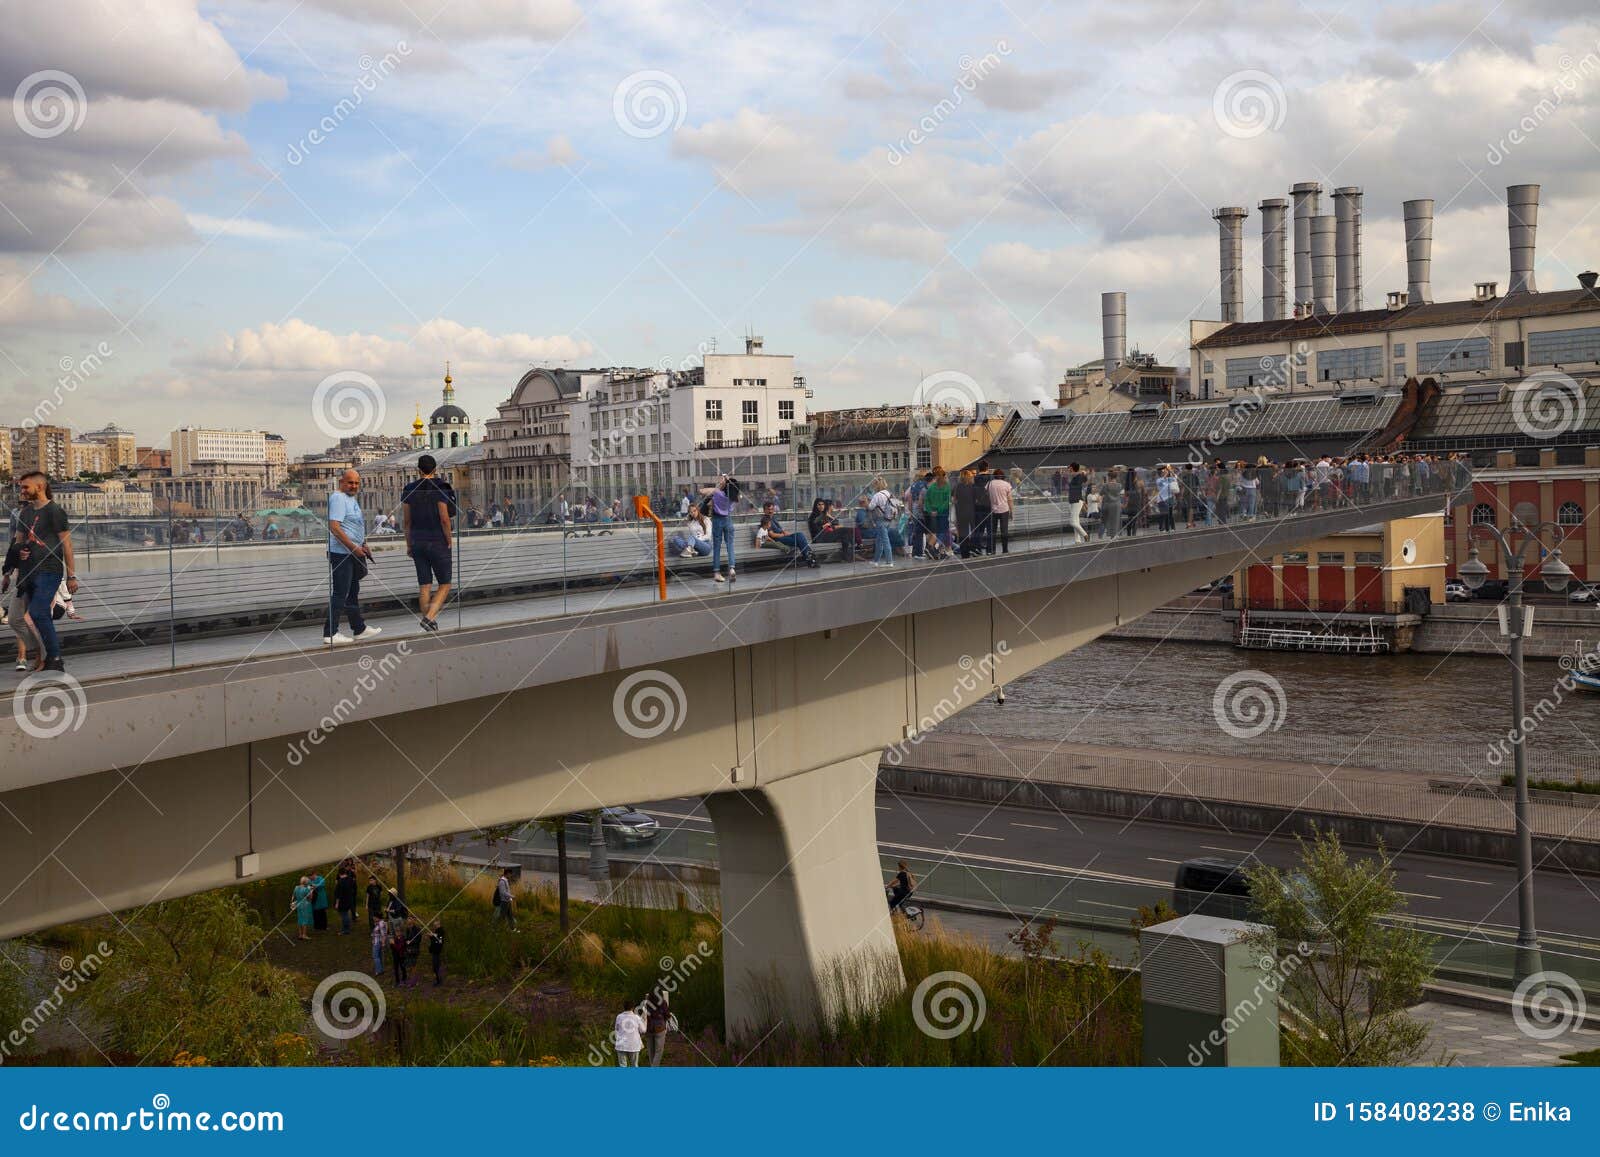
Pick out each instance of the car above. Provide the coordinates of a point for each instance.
(1583, 593)
(622, 824)
(1212, 886)
(1455, 591)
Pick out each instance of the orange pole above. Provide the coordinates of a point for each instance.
(641, 509)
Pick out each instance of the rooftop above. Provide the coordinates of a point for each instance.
(1469, 312)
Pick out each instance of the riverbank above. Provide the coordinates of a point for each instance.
(1447, 629)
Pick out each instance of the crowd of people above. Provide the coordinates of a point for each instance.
(398, 937)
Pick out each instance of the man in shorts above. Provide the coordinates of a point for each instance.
(428, 505)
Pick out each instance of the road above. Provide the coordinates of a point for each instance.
(1449, 893)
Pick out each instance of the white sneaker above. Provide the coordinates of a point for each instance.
(732, 574)
(341, 637)
(368, 632)
(22, 666)
(716, 578)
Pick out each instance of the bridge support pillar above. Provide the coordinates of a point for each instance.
(806, 930)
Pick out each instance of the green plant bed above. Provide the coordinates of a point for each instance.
(1578, 786)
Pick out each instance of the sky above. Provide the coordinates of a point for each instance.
(207, 210)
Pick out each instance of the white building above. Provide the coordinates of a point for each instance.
(659, 433)
(191, 444)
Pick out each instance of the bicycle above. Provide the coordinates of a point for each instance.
(913, 914)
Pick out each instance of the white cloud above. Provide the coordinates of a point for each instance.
(299, 346)
(25, 309)
(466, 19)
(859, 317)
(558, 152)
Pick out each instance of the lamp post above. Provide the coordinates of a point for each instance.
(1556, 574)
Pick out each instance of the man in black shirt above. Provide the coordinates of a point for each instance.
(47, 561)
(428, 506)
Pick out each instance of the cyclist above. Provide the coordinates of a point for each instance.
(901, 887)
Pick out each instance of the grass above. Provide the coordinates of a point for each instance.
(535, 997)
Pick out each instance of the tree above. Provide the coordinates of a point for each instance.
(558, 828)
(186, 978)
(13, 983)
(1349, 973)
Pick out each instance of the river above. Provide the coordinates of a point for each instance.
(1431, 714)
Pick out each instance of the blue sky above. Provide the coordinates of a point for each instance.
(493, 200)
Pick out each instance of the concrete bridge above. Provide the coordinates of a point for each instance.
(774, 699)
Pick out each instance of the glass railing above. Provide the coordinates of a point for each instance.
(180, 586)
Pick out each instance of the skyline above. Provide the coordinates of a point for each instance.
(521, 183)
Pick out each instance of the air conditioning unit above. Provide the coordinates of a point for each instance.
(1207, 999)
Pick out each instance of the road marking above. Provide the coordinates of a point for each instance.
(1419, 895)
(1461, 880)
(976, 836)
(1061, 869)
(682, 816)
(1036, 827)
(1160, 860)
(1230, 851)
(1104, 904)
(883, 807)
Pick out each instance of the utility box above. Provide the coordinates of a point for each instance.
(1208, 1000)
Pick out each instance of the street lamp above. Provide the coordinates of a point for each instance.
(1556, 574)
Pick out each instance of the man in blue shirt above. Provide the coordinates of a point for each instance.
(428, 507)
(348, 556)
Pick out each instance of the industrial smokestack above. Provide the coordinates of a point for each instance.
(1230, 222)
(1273, 255)
(1114, 329)
(1419, 251)
(1323, 231)
(1522, 204)
(1307, 204)
(1347, 246)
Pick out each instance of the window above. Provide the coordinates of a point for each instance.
(1294, 558)
(751, 437)
(804, 462)
(1346, 365)
(1564, 347)
(1400, 371)
(1452, 357)
(924, 454)
(1300, 377)
(1247, 373)
(1570, 514)
(713, 438)
(1330, 558)
(1399, 349)
(752, 412)
(785, 410)
(1208, 367)
(713, 409)
(1483, 514)
(1368, 558)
